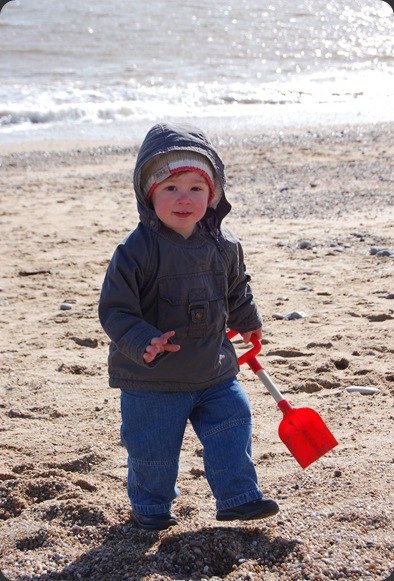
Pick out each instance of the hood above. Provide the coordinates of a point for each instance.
(163, 138)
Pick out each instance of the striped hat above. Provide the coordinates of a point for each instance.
(162, 166)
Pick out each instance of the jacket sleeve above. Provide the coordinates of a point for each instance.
(243, 311)
(119, 309)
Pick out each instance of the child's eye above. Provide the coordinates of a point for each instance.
(171, 188)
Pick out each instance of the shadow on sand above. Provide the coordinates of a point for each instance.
(129, 554)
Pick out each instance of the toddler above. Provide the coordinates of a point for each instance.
(172, 289)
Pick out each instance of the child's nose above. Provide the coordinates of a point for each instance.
(183, 196)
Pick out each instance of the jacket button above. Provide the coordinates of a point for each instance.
(199, 316)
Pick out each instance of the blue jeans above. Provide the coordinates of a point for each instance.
(153, 426)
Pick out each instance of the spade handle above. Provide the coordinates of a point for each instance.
(250, 358)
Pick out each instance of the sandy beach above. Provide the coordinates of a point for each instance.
(314, 210)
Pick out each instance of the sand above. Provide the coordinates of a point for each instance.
(314, 210)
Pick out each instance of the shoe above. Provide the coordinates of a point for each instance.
(153, 522)
(261, 508)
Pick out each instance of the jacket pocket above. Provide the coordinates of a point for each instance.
(193, 305)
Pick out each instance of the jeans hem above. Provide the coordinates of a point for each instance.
(239, 500)
(149, 510)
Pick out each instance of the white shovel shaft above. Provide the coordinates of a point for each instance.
(269, 385)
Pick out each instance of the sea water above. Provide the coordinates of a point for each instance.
(102, 70)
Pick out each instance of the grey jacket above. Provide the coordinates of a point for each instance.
(158, 281)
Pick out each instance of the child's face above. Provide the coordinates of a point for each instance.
(181, 200)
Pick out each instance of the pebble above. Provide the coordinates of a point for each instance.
(304, 244)
(362, 389)
(290, 316)
(375, 250)
(65, 307)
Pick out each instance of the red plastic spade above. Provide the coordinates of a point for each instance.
(301, 430)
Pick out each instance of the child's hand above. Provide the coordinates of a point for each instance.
(247, 336)
(159, 345)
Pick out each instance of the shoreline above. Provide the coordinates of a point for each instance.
(220, 131)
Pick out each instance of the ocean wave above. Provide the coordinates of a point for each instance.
(74, 104)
